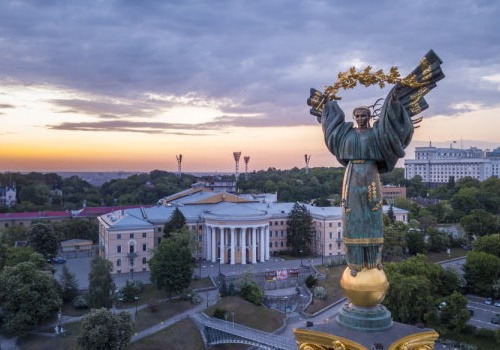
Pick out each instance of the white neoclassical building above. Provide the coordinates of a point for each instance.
(229, 229)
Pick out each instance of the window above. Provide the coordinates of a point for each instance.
(330, 235)
(339, 224)
(119, 236)
(131, 262)
(119, 262)
(270, 244)
(338, 245)
(282, 232)
(330, 246)
(118, 248)
(270, 223)
(131, 248)
(275, 244)
(330, 224)
(281, 223)
(159, 240)
(281, 243)
(131, 236)
(144, 247)
(144, 260)
(159, 229)
(144, 234)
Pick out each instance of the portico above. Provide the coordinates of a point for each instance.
(237, 244)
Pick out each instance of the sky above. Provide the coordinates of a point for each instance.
(103, 85)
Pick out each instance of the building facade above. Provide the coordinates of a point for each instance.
(437, 165)
(8, 195)
(227, 232)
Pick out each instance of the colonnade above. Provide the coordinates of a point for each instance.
(237, 244)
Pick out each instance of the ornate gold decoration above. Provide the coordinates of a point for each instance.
(338, 345)
(363, 241)
(367, 289)
(349, 79)
(418, 341)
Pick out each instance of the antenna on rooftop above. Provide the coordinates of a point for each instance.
(179, 165)
(307, 158)
(237, 156)
(247, 159)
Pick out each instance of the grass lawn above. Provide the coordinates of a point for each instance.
(146, 318)
(37, 342)
(248, 314)
(442, 256)
(181, 336)
(332, 286)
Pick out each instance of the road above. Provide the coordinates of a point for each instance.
(482, 313)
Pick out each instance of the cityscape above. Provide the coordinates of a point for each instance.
(235, 175)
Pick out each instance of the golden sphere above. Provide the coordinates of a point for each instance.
(367, 289)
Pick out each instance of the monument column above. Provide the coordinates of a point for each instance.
(208, 244)
(266, 235)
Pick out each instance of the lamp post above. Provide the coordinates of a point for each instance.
(300, 251)
(136, 302)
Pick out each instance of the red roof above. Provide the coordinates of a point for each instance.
(82, 213)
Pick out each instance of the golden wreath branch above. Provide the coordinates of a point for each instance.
(350, 79)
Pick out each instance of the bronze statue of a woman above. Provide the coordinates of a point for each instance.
(369, 150)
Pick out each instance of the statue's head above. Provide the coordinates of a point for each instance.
(362, 116)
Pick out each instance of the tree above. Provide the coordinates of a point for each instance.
(394, 241)
(481, 272)
(437, 241)
(415, 242)
(12, 234)
(300, 229)
(101, 329)
(176, 222)
(171, 266)
(488, 244)
(454, 314)
(69, 284)
(27, 296)
(479, 222)
(252, 293)
(101, 285)
(80, 229)
(43, 238)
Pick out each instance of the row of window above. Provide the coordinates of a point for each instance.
(131, 248)
(131, 236)
(131, 262)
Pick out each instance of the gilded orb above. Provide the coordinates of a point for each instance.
(367, 289)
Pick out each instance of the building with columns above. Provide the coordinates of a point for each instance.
(229, 229)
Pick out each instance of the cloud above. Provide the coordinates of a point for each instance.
(262, 55)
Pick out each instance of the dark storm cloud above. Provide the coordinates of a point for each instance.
(262, 55)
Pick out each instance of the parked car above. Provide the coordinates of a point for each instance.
(497, 304)
(489, 301)
(495, 319)
(58, 260)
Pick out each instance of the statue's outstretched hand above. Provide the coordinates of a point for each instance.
(316, 100)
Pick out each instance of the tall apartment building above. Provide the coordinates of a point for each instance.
(437, 165)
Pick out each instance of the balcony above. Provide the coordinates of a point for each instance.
(132, 255)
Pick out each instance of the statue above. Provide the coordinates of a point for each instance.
(369, 150)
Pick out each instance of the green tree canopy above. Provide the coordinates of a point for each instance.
(44, 239)
(454, 315)
(176, 223)
(481, 272)
(27, 296)
(394, 241)
(69, 284)
(101, 329)
(480, 223)
(171, 266)
(101, 285)
(488, 244)
(300, 230)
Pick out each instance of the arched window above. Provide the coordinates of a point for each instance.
(144, 260)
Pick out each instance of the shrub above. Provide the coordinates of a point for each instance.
(131, 290)
(196, 298)
(219, 313)
(319, 292)
(252, 293)
(311, 281)
(80, 302)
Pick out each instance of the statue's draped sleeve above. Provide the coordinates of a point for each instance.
(336, 130)
(393, 132)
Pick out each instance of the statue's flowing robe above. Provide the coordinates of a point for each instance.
(366, 154)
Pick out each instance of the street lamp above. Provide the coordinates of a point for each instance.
(136, 302)
(300, 251)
